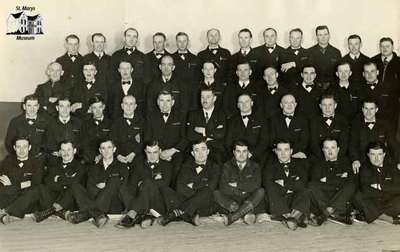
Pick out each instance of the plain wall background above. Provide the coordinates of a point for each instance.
(23, 63)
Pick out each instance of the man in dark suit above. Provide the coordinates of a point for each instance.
(168, 126)
(129, 53)
(324, 57)
(251, 126)
(49, 92)
(149, 185)
(86, 89)
(32, 124)
(293, 59)
(244, 85)
(153, 58)
(21, 186)
(216, 54)
(329, 125)
(71, 61)
(208, 122)
(308, 93)
(245, 54)
(270, 93)
(291, 125)
(356, 59)
(194, 189)
(126, 84)
(268, 54)
(379, 194)
(332, 186)
(285, 179)
(127, 132)
(100, 58)
(239, 192)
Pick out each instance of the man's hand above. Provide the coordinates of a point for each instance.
(287, 66)
(101, 185)
(130, 157)
(356, 166)
(76, 106)
(167, 154)
(122, 159)
(5, 180)
(56, 154)
(299, 155)
(97, 159)
(200, 130)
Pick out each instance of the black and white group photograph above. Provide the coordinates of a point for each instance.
(208, 125)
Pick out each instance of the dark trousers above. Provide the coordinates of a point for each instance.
(281, 202)
(109, 197)
(255, 198)
(337, 197)
(201, 202)
(373, 204)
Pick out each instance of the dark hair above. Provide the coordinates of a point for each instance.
(369, 63)
(96, 98)
(151, 143)
(386, 39)
(246, 30)
(245, 94)
(181, 34)
(98, 35)
(21, 137)
(240, 142)
(31, 97)
(327, 96)
(206, 89)
(209, 62)
(88, 62)
(370, 99)
(105, 139)
(377, 146)
(354, 36)
(320, 28)
(160, 34)
(243, 62)
(64, 98)
(67, 141)
(270, 29)
(72, 36)
(296, 30)
(165, 92)
(282, 141)
(307, 66)
(131, 29)
(200, 141)
(342, 63)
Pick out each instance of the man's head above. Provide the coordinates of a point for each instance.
(354, 44)
(107, 148)
(295, 38)
(209, 70)
(165, 101)
(131, 37)
(182, 41)
(89, 71)
(270, 36)
(153, 151)
(67, 151)
(54, 71)
(369, 109)
(22, 147)
(167, 65)
(283, 150)
(245, 104)
(129, 105)
(288, 104)
(376, 153)
(97, 106)
(330, 149)
(243, 71)
(386, 46)
(271, 76)
(207, 98)
(241, 151)
(31, 105)
(328, 105)
(98, 42)
(125, 69)
(200, 151)
(245, 38)
(343, 71)
(309, 74)
(72, 44)
(370, 72)
(323, 35)
(159, 40)
(213, 37)
(64, 107)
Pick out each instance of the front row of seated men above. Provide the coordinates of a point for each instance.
(290, 189)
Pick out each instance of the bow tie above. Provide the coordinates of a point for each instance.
(72, 55)
(272, 89)
(270, 47)
(159, 53)
(200, 165)
(129, 50)
(368, 124)
(331, 162)
(165, 114)
(31, 121)
(309, 86)
(246, 116)
(126, 82)
(328, 118)
(290, 117)
(182, 53)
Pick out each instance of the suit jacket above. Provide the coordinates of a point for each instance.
(59, 132)
(48, 89)
(220, 58)
(308, 103)
(391, 76)
(357, 67)
(267, 59)
(268, 101)
(237, 58)
(325, 63)
(218, 89)
(292, 77)
(188, 69)
(234, 90)
(93, 132)
(136, 58)
(332, 175)
(127, 135)
(67, 175)
(103, 66)
(72, 69)
(98, 174)
(153, 61)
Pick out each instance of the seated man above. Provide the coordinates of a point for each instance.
(196, 183)
(20, 183)
(379, 195)
(285, 180)
(240, 192)
(167, 125)
(127, 132)
(149, 181)
(66, 184)
(105, 179)
(332, 186)
(208, 122)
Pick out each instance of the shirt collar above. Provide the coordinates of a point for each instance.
(210, 111)
(389, 58)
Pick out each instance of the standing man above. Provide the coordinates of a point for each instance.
(153, 58)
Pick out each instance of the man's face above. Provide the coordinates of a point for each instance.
(125, 69)
(131, 38)
(99, 43)
(167, 66)
(89, 71)
(270, 38)
(22, 148)
(354, 46)
(72, 46)
(182, 42)
(107, 149)
(243, 72)
(209, 70)
(309, 75)
(207, 99)
(288, 104)
(270, 76)
(67, 152)
(97, 109)
(295, 39)
(64, 108)
(54, 71)
(328, 106)
(369, 110)
(323, 37)
(245, 104)
(244, 40)
(200, 152)
(343, 72)
(370, 73)
(213, 37)
(330, 150)
(152, 153)
(129, 106)
(386, 48)
(376, 157)
(241, 153)
(159, 43)
(165, 103)
(31, 108)
(283, 151)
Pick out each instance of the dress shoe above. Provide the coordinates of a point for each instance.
(101, 220)
(40, 216)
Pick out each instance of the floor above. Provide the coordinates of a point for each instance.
(56, 235)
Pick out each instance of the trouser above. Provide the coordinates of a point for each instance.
(225, 200)
(373, 204)
(323, 196)
(281, 202)
(201, 202)
(104, 198)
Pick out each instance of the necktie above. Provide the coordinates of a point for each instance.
(206, 117)
(385, 61)
(126, 82)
